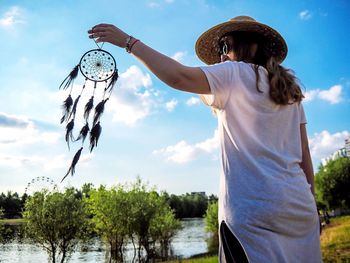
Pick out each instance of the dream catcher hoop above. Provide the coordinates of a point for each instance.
(97, 66)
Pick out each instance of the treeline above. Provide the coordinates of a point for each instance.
(187, 205)
(118, 215)
(190, 205)
(12, 204)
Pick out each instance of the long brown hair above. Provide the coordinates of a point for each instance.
(251, 48)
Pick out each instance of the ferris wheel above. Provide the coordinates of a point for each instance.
(40, 183)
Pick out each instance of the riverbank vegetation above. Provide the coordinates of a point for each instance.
(130, 213)
(134, 213)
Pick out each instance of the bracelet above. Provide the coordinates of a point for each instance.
(137, 40)
(127, 43)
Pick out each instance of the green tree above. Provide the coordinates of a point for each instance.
(56, 221)
(144, 208)
(333, 184)
(111, 217)
(152, 221)
(86, 188)
(164, 226)
(212, 225)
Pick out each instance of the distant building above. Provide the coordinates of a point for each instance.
(343, 152)
(347, 147)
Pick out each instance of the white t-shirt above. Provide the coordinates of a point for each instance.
(262, 185)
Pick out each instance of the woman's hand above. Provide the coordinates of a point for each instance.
(109, 33)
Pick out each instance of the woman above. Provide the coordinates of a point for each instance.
(267, 211)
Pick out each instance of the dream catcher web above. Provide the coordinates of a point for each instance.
(99, 67)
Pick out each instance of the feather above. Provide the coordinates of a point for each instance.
(83, 132)
(67, 104)
(113, 81)
(95, 135)
(74, 162)
(74, 109)
(99, 110)
(69, 132)
(68, 80)
(88, 108)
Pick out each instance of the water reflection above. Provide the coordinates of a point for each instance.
(16, 248)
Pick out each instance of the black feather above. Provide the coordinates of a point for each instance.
(67, 105)
(113, 81)
(88, 108)
(68, 80)
(95, 135)
(83, 132)
(99, 110)
(74, 109)
(74, 162)
(69, 132)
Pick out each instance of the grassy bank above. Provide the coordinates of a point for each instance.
(12, 221)
(335, 240)
(212, 259)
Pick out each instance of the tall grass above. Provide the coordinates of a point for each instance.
(335, 240)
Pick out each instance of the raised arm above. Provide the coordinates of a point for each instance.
(168, 70)
(306, 163)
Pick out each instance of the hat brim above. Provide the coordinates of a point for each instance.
(207, 45)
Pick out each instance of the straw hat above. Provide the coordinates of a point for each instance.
(207, 45)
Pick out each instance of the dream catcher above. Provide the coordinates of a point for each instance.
(99, 67)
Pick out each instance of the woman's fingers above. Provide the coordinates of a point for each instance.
(108, 33)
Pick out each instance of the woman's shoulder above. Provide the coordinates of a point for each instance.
(246, 65)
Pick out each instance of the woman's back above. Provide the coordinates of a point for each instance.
(262, 184)
(266, 135)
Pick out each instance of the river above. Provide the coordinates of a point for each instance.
(191, 240)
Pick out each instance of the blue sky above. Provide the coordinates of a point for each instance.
(166, 137)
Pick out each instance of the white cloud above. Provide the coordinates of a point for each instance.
(182, 152)
(11, 17)
(179, 56)
(324, 144)
(42, 162)
(7, 120)
(193, 101)
(305, 15)
(333, 95)
(63, 161)
(311, 95)
(159, 3)
(21, 131)
(170, 105)
(15, 161)
(133, 98)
